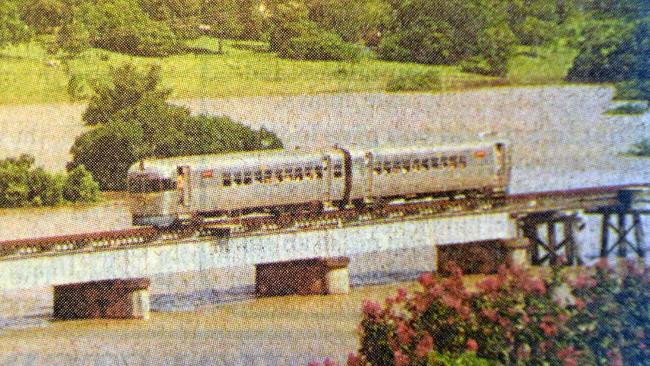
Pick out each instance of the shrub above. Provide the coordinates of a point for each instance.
(641, 149)
(582, 317)
(635, 89)
(323, 46)
(629, 108)
(132, 113)
(21, 184)
(79, 186)
(414, 80)
(613, 314)
(122, 26)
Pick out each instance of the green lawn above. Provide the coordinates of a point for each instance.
(26, 77)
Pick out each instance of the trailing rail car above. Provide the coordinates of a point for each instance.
(167, 191)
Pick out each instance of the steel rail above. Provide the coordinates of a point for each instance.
(516, 204)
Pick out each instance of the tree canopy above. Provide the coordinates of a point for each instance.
(133, 121)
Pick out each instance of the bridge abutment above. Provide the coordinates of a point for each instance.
(108, 299)
(316, 276)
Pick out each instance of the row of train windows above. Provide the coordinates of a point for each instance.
(267, 176)
(407, 165)
(143, 184)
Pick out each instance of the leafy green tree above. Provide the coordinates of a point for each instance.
(288, 19)
(122, 26)
(79, 186)
(13, 29)
(21, 184)
(128, 87)
(43, 15)
(353, 20)
(73, 38)
(607, 53)
(171, 9)
(134, 121)
(536, 32)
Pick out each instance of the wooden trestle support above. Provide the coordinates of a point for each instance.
(634, 204)
(547, 248)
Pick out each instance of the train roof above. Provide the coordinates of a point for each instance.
(286, 157)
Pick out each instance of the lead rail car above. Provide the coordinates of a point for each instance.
(166, 191)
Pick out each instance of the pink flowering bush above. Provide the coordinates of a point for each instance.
(588, 316)
(612, 314)
(512, 318)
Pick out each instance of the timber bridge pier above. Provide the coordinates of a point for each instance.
(105, 274)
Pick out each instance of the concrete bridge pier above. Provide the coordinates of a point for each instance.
(108, 299)
(316, 276)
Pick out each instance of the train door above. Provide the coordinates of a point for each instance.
(369, 164)
(184, 186)
(327, 177)
(500, 158)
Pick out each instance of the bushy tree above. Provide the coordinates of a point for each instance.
(22, 184)
(73, 38)
(607, 53)
(447, 32)
(12, 28)
(171, 9)
(353, 20)
(43, 15)
(79, 186)
(288, 19)
(134, 121)
(128, 87)
(122, 26)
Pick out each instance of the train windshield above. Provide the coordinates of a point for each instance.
(149, 184)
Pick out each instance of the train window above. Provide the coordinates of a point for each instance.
(227, 180)
(309, 173)
(278, 175)
(237, 178)
(258, 176)
(425, 164)
(406, 166)
(388, 166)
(462, 161)
(377, 168)
(297, 173)
(444, 162)
(268, 176)
(168, 184)
(416, 165)
(453, 161)
(319, 172)
(397, 165)
(435, 163)
(288, 174)
(248, 178)
(338, 170)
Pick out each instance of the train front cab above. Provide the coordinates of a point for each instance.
(155, 199)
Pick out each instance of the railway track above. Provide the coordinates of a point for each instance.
(516, 205)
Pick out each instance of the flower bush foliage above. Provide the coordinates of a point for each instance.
(588, 316)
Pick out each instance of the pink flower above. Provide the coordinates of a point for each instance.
(615, 358)
(401, 359)
(424, 346)
(353, 360)
(523, 352)
(371, 309)
(313, 363)
(490, 314)
(580, 304)
(549, 329)
(583, 281)
(471, 345)
(401, 295)
(328, 362)
(489, 284)
(427, 279)
(404, 333)
(569, 356)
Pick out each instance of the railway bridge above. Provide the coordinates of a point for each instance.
(105, 274)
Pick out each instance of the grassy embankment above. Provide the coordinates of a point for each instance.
(246, 70)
